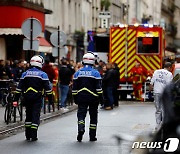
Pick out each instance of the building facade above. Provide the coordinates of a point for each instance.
(12, 14)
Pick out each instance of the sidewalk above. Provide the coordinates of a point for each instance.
(4, 126)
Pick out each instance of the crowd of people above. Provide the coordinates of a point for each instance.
(109, 72)
(72, 78)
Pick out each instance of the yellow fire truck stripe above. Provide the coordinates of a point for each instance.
(129, 31)
(122, 75)
(155, 63)
(130, 36)
(148, 63)
(121, 34)
(142, 62)
(132, 41)
(115, 32)
(131, 48)
(130, 55)
(157, 58)
(121, 57)
(118, 54)
(132, 64)
(119, 44)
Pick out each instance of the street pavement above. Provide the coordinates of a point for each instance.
(47, 115)
(59, 135)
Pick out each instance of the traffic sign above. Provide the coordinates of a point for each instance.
(31, 27)
(28, 46)
(104, 15)
(63, 50)
(62, 38)
(55, 52)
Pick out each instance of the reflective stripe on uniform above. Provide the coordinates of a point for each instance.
(28, 124)
(34, 126)
(92, 126)
(85, 90)
(81, 122)
(30, 88)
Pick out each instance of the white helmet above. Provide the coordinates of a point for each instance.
(89, 58)
(37, 61)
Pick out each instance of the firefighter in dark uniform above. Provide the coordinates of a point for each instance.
(87, 92)
(32, 84)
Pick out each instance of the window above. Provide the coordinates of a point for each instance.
(148, 45)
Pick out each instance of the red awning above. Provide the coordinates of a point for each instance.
(43, 42)
(44, 45)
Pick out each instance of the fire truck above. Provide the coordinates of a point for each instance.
(128, 44)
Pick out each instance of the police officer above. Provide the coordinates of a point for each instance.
(87, 92)
(32, 84)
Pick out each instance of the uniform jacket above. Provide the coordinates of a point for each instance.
(138, 74)
(87, 85)
(32, 83)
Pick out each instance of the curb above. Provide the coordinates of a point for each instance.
(12, 129)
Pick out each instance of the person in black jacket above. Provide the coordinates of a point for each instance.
(117, 81)
(32, 84)
(87, 92)
(65, 77)
(109, 81)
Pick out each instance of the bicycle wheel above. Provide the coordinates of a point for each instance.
(8, 109)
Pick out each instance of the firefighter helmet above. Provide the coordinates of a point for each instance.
(37, 61)
(89, 58)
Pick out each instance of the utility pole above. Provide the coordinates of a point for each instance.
(126, 51)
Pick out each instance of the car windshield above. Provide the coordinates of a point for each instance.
(177, 71)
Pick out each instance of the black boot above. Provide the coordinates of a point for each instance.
(93, 138)
(92, 134)
(28, 133)
(80, 136)
(34, 134)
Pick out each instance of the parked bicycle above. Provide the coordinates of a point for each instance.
(8, 89)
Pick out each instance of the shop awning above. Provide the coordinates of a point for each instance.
(10, 31)
(44, 45)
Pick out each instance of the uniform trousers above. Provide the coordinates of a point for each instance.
(81, 115)
(33, 109)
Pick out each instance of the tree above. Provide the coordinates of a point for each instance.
(105, 4)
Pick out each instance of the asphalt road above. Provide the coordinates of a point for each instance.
(59, 135)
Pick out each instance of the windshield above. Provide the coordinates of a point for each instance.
(148, 45)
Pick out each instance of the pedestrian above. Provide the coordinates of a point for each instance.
(138, 75)
(171, 104)
(65, 78)
(8, 69)
(109, 82)
(32, 84)
(3, 72)
(48, 69)
(160, 79)
(18, 70)
(117, 81)
(87, 92)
